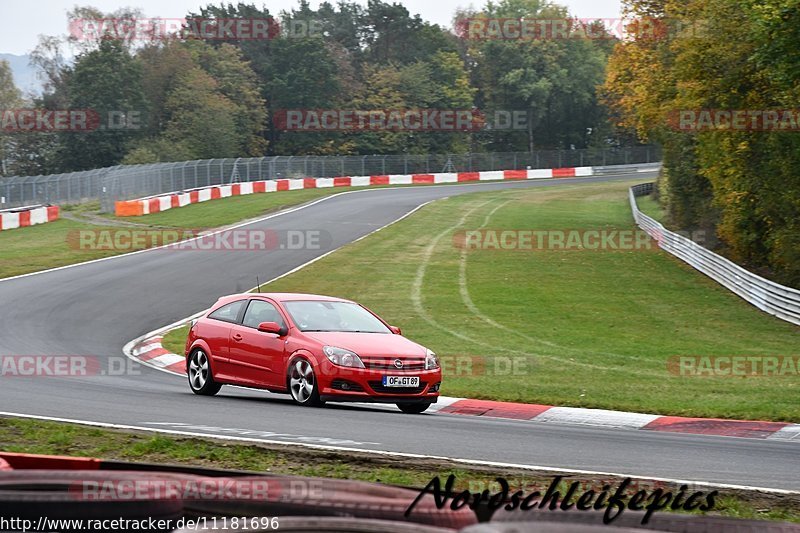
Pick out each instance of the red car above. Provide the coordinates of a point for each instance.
(316, 348)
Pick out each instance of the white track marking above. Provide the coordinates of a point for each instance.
(595, 417)
(532, 468)
(790, 432)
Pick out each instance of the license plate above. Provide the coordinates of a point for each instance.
(401, 381)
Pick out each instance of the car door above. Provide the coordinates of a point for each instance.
(216, 332)
(257, 357)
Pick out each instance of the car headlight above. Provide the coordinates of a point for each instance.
(431, 361)
(342, 357)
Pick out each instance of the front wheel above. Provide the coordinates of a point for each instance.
(303, 384)
(200, 379)
(413, 408)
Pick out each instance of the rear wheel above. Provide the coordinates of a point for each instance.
(200, 379)
(303, 384)
(413, 408)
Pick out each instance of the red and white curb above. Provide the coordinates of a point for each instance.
(151, 353)
(156, 204)
(23, 217)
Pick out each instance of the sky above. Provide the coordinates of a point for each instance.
(24, 20)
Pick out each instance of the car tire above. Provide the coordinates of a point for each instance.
(201, 380)
(413, 408)
(302, 383)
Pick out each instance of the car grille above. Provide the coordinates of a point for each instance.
(378, 387)
(387, 363)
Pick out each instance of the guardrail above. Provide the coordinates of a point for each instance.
(773, 298)
(626, 169)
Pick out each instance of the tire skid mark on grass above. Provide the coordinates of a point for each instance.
(419, 280)
(416, 296)
(470, 304)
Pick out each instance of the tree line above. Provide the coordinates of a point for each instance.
(221, 97)
(722, 100)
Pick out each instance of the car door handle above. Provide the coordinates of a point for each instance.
(237, 337)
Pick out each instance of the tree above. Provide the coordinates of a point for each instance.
(238, 83)
(442, 84)
(10, 98)
(391, 35)
(552, 80)
(202, 118)
(164, 66)
(740, 182)
(303, 76)
(109, 82)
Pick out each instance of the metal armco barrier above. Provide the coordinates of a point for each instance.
(773, 298)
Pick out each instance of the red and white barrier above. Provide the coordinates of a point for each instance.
(28, 216)
(156, 204)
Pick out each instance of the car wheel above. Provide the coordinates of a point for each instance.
(200, 379)
(303, 384)
(413, 408)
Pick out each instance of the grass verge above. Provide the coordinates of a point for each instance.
(593, 329)
(56, 244)
(650, 207)
(52, 438)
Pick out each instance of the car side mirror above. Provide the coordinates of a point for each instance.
(395, 330)
(271, 327)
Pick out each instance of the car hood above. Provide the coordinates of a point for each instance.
(369, 344)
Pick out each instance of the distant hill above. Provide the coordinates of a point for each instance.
(24, 73)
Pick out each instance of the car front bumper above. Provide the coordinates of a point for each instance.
(340, 384)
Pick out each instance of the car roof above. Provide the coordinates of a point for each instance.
(284, 297)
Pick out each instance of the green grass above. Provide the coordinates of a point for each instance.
(175, 340)
(650, 207)
(53, 438)
(586, 329)
(53, 245)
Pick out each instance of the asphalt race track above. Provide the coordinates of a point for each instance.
(96, 308)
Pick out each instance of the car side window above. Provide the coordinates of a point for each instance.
(228, 313)
(259, 312)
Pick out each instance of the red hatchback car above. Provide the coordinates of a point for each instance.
(316, 348)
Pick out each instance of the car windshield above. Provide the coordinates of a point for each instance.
(334, 316)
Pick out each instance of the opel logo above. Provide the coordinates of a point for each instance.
(398, 363)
